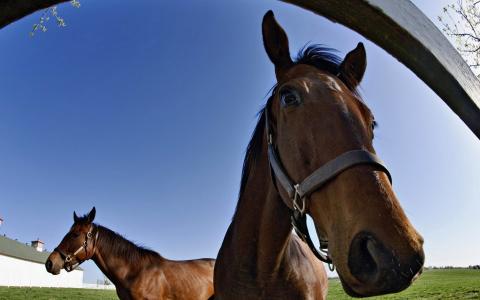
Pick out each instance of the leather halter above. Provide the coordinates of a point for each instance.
(299, 192)
(68, 257)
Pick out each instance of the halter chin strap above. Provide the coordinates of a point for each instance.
(299, 192)
(68, 257)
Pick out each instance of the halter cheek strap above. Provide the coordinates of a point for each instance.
(299, 192)
(69, 257)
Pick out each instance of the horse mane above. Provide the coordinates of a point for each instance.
(253, 149)
(115, 244)
(319, 56)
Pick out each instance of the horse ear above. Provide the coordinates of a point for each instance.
(353, 66)
(91, 215)
(275, 41)
(75, 217)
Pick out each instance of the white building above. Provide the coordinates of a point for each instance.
(24, 265)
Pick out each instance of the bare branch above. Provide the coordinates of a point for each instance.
(469, 35)
(460, 22)
(470, 50)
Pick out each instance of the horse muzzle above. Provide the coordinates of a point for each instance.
(54, 263)
(378, 269)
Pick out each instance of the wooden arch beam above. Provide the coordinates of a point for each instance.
(12, 10)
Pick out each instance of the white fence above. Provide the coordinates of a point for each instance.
(98, 286)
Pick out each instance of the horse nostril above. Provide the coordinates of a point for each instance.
(416, 265)
(373, 264)
(49, 265)
(362, 259)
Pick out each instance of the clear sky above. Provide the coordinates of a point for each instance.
(144, 109)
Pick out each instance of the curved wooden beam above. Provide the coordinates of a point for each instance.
(407, 34)
(12, 10)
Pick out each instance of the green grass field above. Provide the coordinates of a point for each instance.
(433, 284)
(15, 293)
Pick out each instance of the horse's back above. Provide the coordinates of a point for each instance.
(191, 279)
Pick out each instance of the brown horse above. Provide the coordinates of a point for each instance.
(315, 122)
(136, 272)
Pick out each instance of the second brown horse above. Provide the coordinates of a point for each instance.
(136, 272)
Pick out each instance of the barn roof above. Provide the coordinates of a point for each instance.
(19, 250)
(16, 249)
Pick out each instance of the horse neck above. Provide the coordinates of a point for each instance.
(261, 226)
(119, 266)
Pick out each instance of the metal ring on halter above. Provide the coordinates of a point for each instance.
(297, 197)
(331, 266)
(68, 258)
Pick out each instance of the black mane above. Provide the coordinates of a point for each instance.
(253, 149)
(116, 245)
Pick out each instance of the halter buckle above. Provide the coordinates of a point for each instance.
(296, 197)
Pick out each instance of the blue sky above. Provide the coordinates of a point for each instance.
(144, 109)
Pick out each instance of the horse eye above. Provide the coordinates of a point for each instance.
(374, 125)
(289, 97)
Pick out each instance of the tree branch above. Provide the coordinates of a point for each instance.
(470, 50)
(12, 10)
(463, 13)
(467, 35)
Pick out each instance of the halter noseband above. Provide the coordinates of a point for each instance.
(68, 257)
(299, 192)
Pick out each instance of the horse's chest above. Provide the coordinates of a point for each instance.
(285, 288)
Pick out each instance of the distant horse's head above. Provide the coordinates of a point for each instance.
(316, 115)
(77, 246)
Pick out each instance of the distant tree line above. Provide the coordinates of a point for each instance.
(476, 267)
(473, 267)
